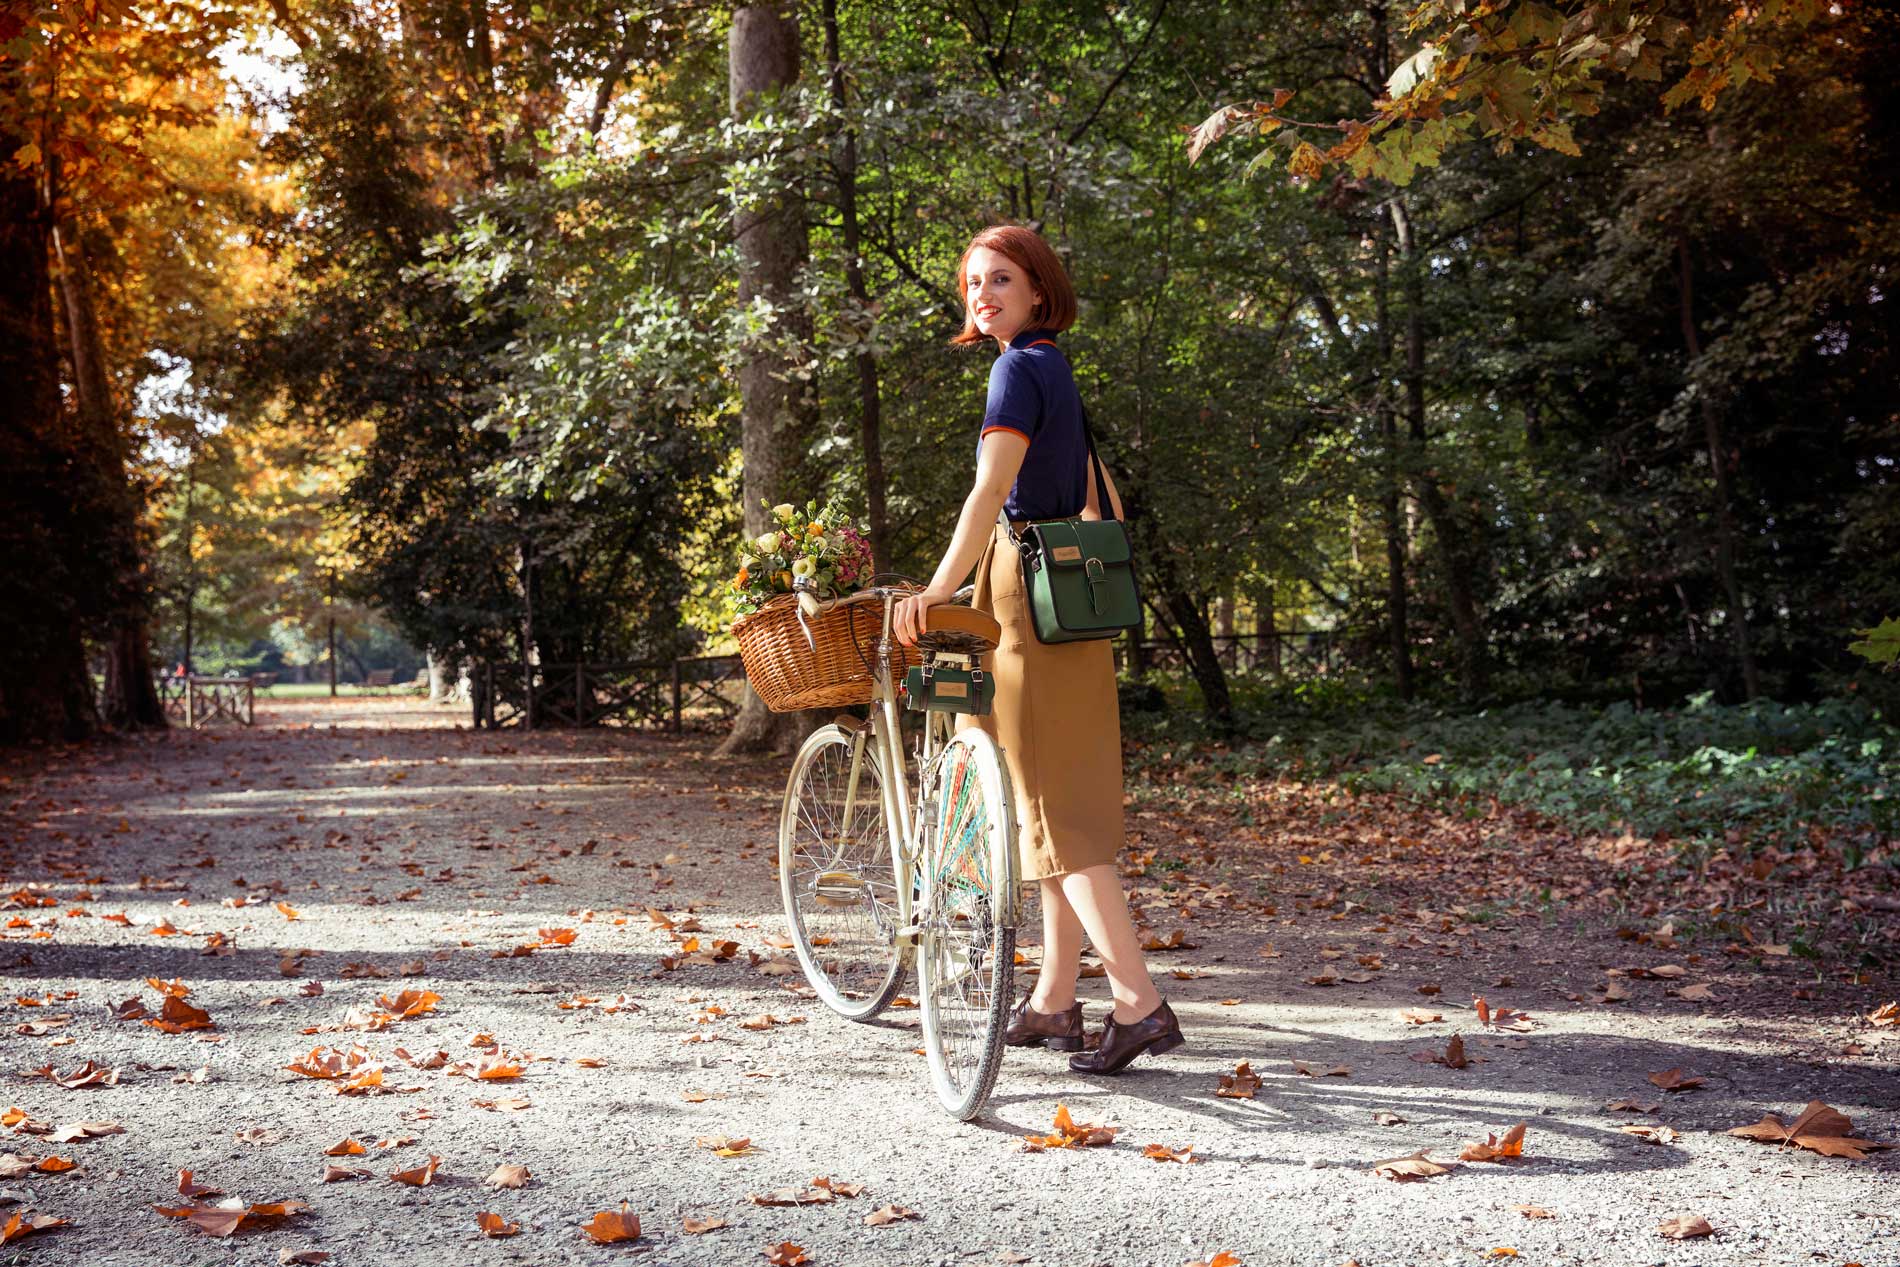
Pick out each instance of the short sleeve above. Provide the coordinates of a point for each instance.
(1015, 402)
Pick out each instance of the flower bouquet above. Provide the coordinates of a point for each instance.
(810, 556)
(820, 548)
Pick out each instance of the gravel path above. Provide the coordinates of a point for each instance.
(429, 856)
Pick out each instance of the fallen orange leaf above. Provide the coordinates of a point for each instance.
(608, 1226)
(1819, 1129)
(495, 1225)
(1240, 1084)
(420, 1177)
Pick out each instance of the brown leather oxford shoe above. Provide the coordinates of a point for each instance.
(1152, 1034)
(1062, 1031)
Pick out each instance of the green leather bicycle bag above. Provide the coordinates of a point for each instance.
(1078, 579)
(944, 688)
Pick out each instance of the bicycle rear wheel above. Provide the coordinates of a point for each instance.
(966, 956)
(837, 873)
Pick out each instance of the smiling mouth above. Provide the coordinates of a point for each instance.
(987, 312)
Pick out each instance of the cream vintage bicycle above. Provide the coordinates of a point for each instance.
(878, 873)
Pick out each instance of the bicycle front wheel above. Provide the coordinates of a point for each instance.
(837, 873)
(966, 957)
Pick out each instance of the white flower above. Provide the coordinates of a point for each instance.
(804, 567)
(818, 542)
(784, 510)
(766, 542)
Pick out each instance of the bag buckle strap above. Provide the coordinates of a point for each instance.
(1097, 574)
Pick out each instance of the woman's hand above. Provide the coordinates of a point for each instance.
(907, 622)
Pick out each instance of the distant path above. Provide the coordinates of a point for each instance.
(411, 848)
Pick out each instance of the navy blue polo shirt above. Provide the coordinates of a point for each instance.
(1032, 392)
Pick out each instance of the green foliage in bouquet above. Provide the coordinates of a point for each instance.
(823, 547)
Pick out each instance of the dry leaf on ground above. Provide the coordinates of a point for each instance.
(786, 1254)
(25, 1223)
(1453, 1057)
(889, 1214)
(226, 1217)
(725, 1145)
(1672, 1080)
(1684, 1226)
(1409, 1167)
(1161, 1152)
(348, 1148)
(1819, 1129)
(1221, 1259)
(1533, 1211)
(608, 1226)
(1652, 1134)
(1070, 1134)
(420, 1177)
(791, 1196)
(507, 1175)
(699, 1227)
(1240, 1084)
(1495, 1149)
(1314, 1071)
(837, 1187)
(495, 1225)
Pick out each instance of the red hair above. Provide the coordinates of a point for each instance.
(1026, 250)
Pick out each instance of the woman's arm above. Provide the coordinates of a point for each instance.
(998, 461)
(1092, 509)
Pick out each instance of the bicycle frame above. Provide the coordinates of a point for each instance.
(904, 822)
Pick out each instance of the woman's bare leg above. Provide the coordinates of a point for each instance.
(1061, 951)
(1094, 895)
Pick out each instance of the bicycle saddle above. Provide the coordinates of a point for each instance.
(952, 627)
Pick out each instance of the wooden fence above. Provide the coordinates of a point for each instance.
(199, 701)
(665, 694)
(1276, 652)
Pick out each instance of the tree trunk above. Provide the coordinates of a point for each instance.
(871, 409)
(778, 414)
(440, 672)
(1186, 615)
(131, 699)
(1449, 536)
(45, 689)
(1394, 468)
(1725, 533)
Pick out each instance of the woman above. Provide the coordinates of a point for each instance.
(1055, 712)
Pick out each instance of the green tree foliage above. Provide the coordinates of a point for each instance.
(1604, 412)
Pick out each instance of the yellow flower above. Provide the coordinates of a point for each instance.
(784, 510)
(744, 575)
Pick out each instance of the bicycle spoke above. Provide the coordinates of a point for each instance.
(839, 890)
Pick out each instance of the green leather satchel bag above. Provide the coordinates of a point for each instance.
(1079, 574)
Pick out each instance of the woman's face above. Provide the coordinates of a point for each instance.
(998, 294)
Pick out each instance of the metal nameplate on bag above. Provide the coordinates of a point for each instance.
(1066, 554)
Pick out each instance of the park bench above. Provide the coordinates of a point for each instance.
(379, 680)
(263, 680)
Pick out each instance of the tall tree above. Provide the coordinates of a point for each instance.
(778, 408)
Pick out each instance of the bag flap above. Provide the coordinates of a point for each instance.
(1072, 542)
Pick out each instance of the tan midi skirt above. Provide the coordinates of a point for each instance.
(1058, 722)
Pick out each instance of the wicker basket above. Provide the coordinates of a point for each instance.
(790, 676)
